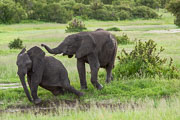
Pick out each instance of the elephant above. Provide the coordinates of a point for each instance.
(44, 71)
(97, 48)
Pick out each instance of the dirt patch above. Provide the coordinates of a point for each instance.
(164, 31)
(9, 85)
(66, 105)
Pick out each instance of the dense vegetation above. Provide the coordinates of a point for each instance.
(174, 7)
(62, 11)
(144, 61)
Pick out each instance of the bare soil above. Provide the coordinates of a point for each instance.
(164, 31)
(9, 85)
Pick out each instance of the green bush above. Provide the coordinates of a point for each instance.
(124, 15)
(144, 12)
(103, 14)
(16, 44)
(75, 26)
(82, 10)
(37, 11)
(56, 13)
(10, 12)
(174, 7)
(144, 61)
(113, 29)
(124, 39)
(149, 3)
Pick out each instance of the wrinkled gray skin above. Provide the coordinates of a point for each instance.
(44, 71)
(97, 48)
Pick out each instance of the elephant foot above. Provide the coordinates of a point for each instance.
(108, 81)
(99, 86)
(112, 78)
(37, 101)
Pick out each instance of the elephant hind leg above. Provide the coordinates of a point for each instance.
(109, 76)
(73, 90)
(57, 91)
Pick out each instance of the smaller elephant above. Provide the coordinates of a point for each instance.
(44, 71)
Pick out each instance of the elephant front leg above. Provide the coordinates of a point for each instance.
(29, 81)
(94, 66)
(82, 73)
(34, 88)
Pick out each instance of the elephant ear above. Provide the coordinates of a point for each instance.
(87, 45)
(22, 51)
(37, 56)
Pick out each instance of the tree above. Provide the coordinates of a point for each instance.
(10, 12)
(174, 7)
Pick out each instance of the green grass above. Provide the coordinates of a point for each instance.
(121, 91)
(116, 91)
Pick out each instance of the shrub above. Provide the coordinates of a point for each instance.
(124, 39)
(144, 61)
(16, 44)
(149, 3)
(82, 10)
(123, 15)
(113, 29)
(103, 14)
(75, 26)
(174, 7)
(144, 12)
(10, 12)
(56, 13)
(37, 11)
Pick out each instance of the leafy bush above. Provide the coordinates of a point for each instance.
(144, 12)
(82, 10)
(75, 26)
(149, 3)
(124, 39)
(174, 7)
(10, 12)
(56, 13)
(144, 61)
(103, 14)
(124, 15)
(37, 11)
(113, 29)
(16, 44)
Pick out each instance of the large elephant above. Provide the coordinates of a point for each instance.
(44, 71)
(97, 48)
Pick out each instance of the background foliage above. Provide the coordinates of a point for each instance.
(174, 7)
(62, 11)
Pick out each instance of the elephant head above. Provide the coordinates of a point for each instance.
(24, 64)
(29, 62)
(78, 44)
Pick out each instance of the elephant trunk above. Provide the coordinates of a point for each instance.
(57, 50)
(22, 78)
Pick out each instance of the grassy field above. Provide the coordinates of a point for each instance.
(117, 92)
